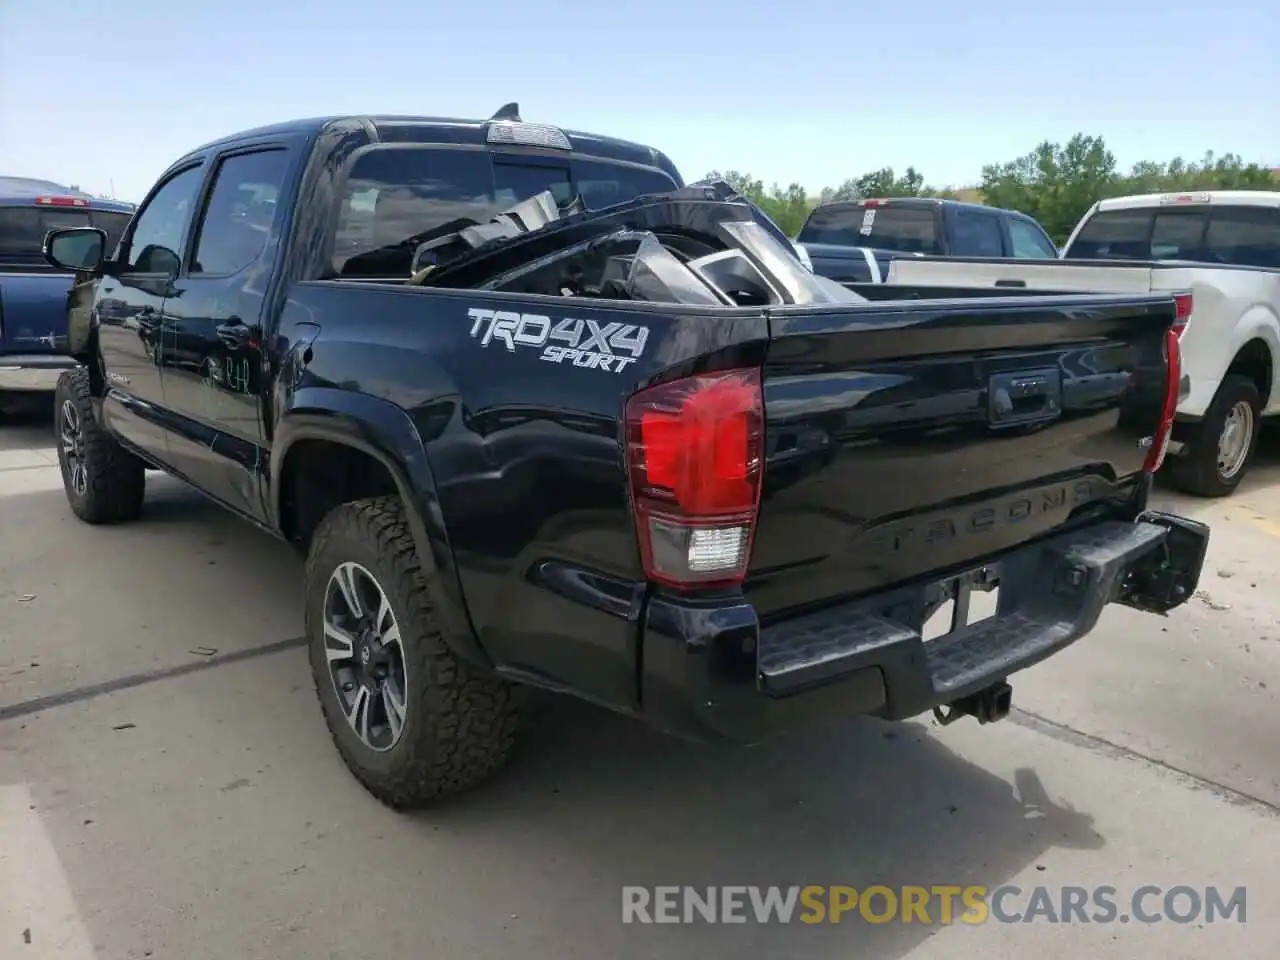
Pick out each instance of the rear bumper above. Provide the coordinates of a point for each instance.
(21, 373)
(711, 671)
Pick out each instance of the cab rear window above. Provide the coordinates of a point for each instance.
(1239, 235)
(396, 198)
(23, 229)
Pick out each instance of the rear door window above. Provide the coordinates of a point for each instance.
(1245, 236)
(903, 229)
(1029, 241)
(977, 235)
(397, 197)
(241, 212)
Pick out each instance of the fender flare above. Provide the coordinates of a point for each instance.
(1259, 322)
(385, 432)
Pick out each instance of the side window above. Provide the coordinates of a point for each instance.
(977, 235)
(241, 212)
(155, 245)
(1245, 236)
(1028, 242)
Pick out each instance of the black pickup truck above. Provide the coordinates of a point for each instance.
(538, 414)
(855, 241)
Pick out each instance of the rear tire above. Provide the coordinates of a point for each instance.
(104, 482)
(426, 724)
(1221, 450)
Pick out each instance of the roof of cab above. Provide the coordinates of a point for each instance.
(912, 201)
(1249, 198)
(401, 127)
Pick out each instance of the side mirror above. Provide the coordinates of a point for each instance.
(78, 249)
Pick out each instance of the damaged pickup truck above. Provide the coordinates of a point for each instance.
(539, 415)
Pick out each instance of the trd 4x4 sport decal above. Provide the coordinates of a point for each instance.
(580, 341)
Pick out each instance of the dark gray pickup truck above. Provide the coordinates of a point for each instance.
(33, 295)
(856, 240)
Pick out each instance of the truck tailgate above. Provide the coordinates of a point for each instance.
(1072, 275)
(903, 442)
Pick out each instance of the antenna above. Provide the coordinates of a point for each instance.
(508, 111)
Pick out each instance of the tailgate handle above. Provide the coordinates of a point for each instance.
(1028, 396)
(1011, 283)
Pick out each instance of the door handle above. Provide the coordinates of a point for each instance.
(1029, 396)
(1011, 283)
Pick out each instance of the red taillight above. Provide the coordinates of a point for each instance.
(1172, 384)
(874, 203)
(695, 456)
(61, 202)
(1182, 303)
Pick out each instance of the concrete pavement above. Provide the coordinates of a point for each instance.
(167, 787)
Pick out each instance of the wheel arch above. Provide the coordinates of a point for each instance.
(358, 446)
(1257, 345)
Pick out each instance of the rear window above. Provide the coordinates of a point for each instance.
(899, 228)
(394, 196)
(1248, 236)
(23, 229)
(1240, 235)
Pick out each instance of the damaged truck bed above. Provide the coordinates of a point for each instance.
(583, 428)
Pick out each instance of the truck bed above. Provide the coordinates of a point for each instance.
(1224, 305)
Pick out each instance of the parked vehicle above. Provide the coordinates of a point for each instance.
(1218, 253)
(33, 298)
(854, 241)
(540, 416)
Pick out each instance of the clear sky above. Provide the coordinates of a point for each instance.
(97, 92)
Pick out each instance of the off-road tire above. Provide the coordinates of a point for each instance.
(1196, 470)
(461, 722)
(117, 480)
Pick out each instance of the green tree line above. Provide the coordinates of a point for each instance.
(1054, 183)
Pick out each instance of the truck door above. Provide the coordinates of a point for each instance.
(131, 319)
(215, 307)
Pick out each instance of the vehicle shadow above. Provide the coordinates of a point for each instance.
(607, 802)
(594, 802)
(27, 423)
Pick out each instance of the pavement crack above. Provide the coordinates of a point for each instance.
(1099, 745)
(91, 691)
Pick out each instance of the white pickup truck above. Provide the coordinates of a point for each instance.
(1218, 252)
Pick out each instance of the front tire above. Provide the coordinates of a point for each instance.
(104, 482)
(412, 722)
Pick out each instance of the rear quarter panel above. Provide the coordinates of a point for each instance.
(523, 452)
(1230, 307)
